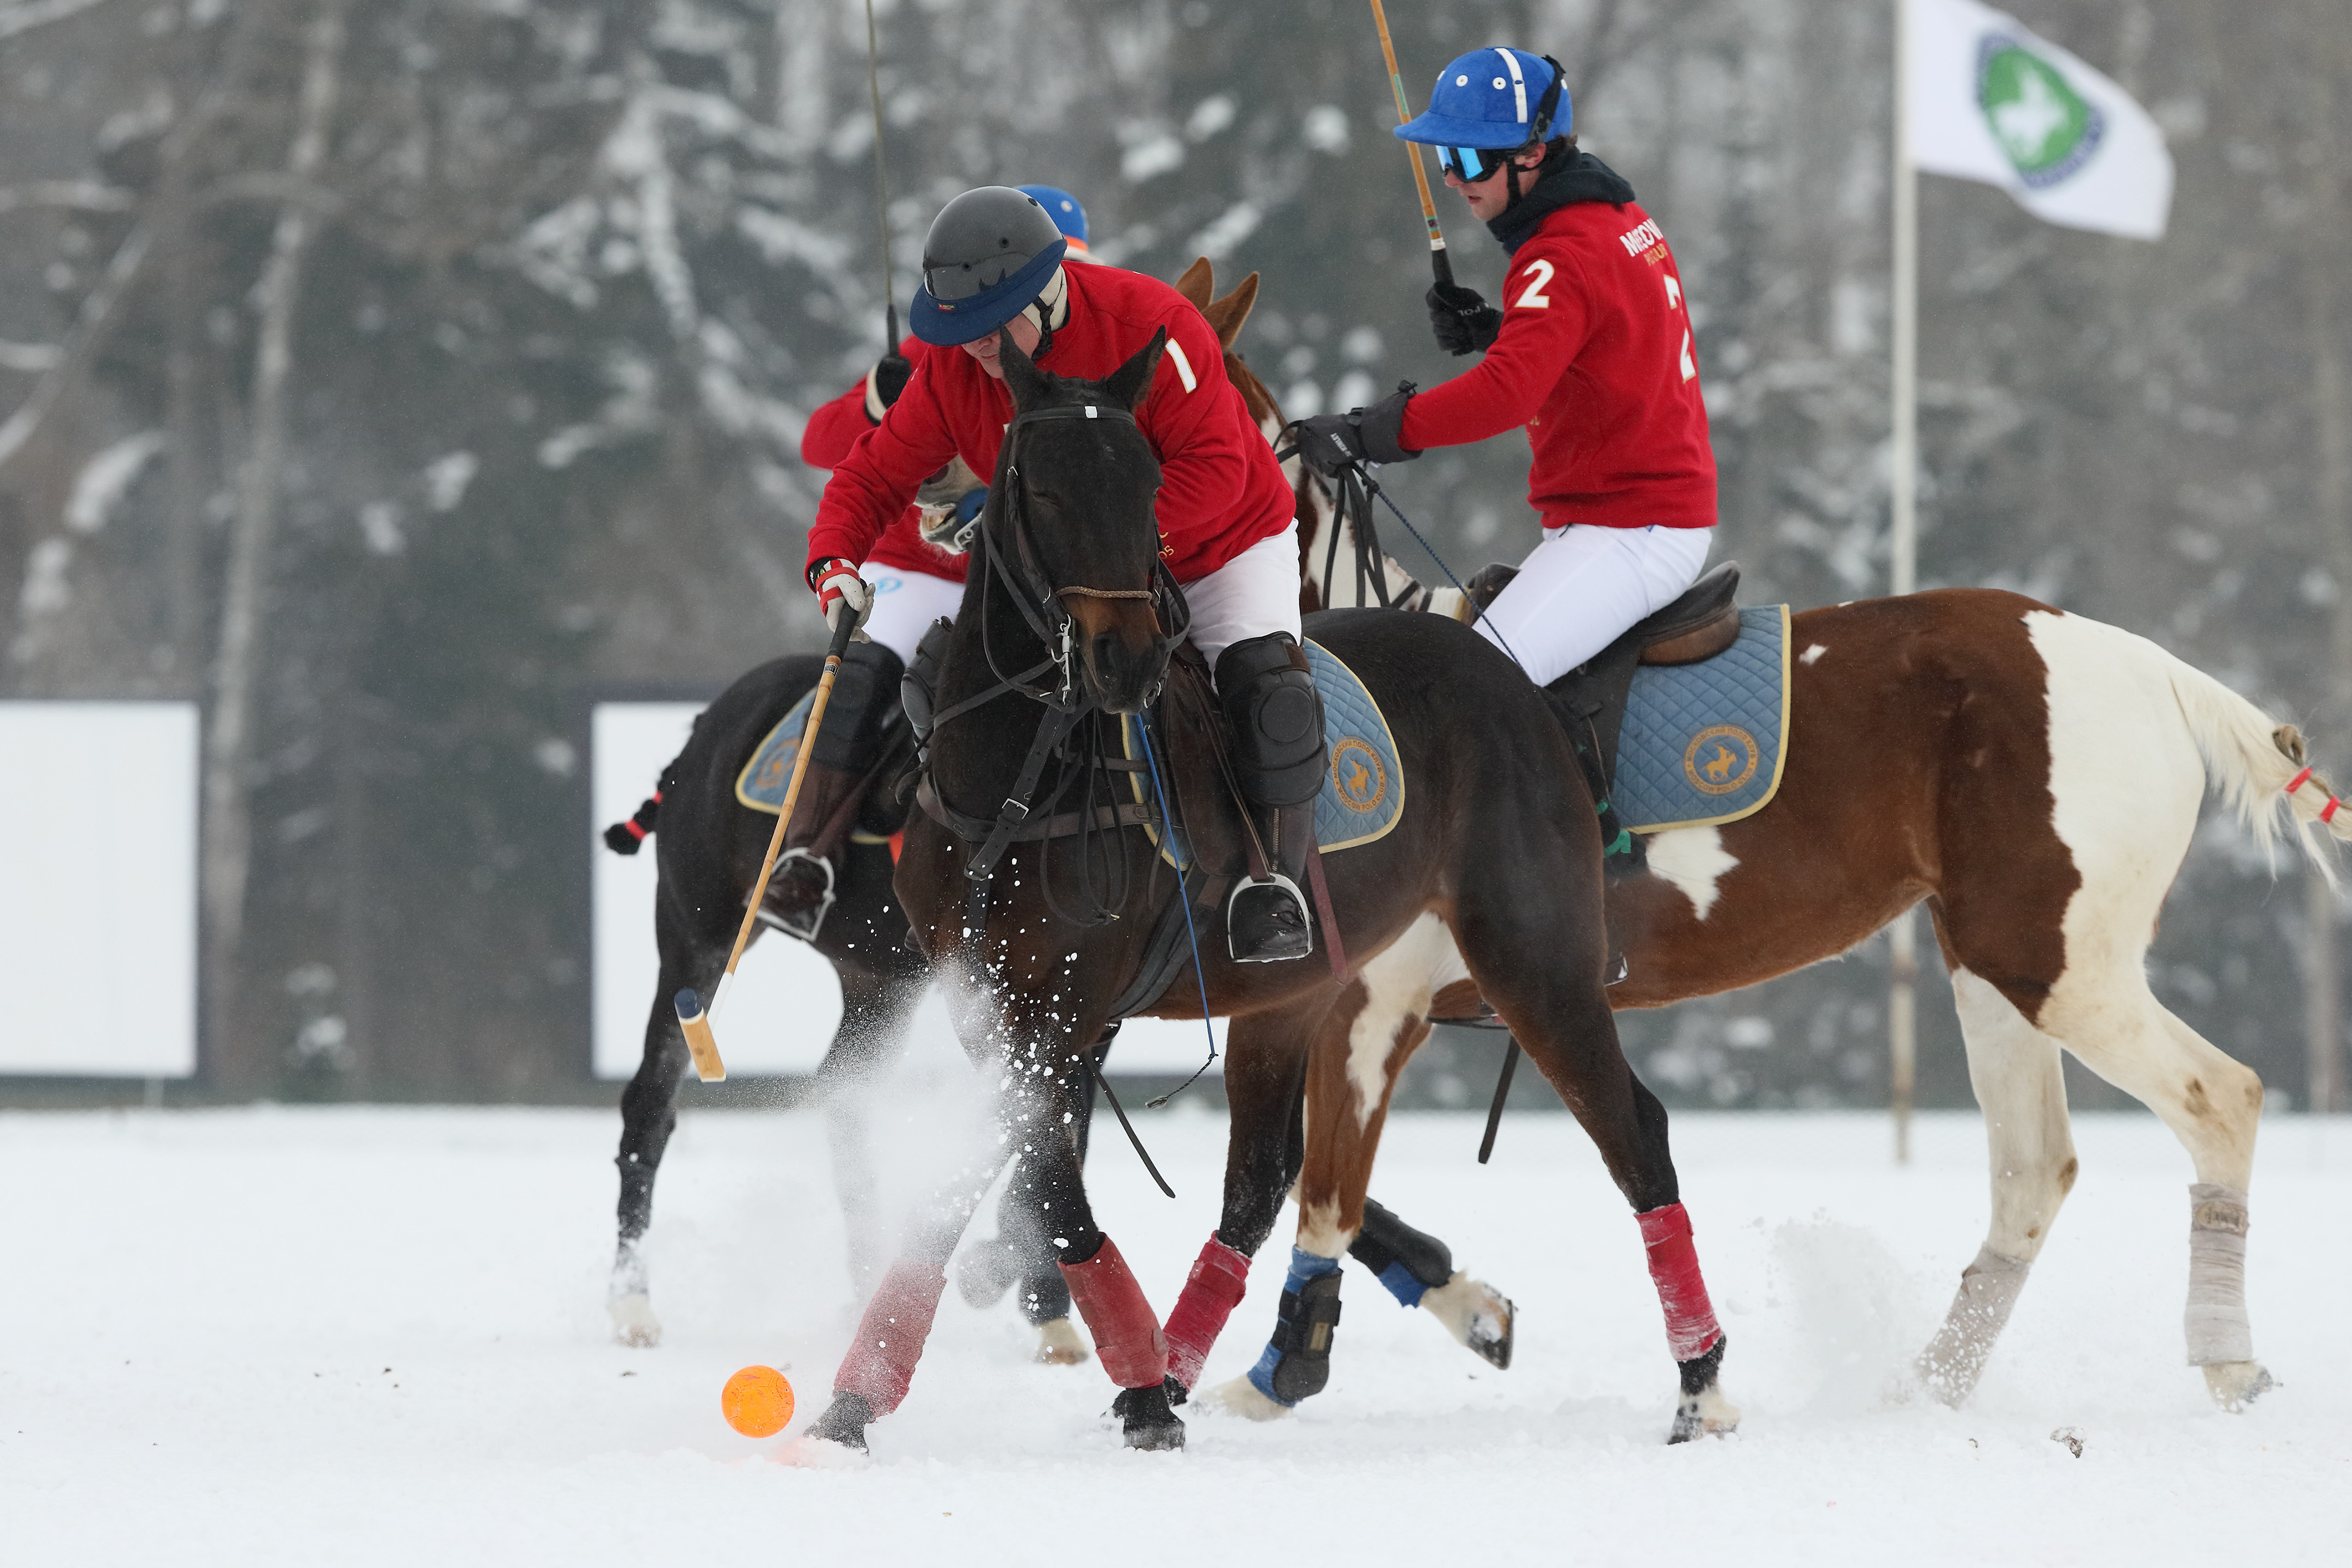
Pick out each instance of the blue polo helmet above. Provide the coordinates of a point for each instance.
(1061, 206)
(1488, 104)
(988, 253)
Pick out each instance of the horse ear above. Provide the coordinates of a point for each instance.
(1023, 379)
(1131, 382)
(1200, 281)
(1228, 314)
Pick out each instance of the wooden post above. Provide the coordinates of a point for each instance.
(1903, 563)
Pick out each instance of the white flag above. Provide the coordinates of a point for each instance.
(1991, 101)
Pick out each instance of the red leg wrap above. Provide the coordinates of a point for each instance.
(1127, 1336)
(881, 1360)
(1682, 1290)
(1219, 1277)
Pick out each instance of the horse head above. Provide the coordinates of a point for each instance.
(1076, 492)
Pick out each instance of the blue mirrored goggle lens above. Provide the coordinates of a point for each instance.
(1470, 164)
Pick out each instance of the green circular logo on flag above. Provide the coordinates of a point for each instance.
(2045, 128)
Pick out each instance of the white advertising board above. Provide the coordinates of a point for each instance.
(785, 1004)
(98, 888)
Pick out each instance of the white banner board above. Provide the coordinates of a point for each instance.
(785, 1004)
(98, 888)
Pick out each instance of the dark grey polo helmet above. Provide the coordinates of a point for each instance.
(988, 253)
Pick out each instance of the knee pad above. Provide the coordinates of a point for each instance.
(1274, 717)
(918, 691)
(858, 715)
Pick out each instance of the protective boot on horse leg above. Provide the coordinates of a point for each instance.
(1274, 717)
(855, 733)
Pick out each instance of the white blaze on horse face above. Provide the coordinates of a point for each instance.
(1398, 985)
(1694, 860)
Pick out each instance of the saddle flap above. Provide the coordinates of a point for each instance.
(1701, 622)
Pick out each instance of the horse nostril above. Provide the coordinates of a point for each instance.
(1105, 652)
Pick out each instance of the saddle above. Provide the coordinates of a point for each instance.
(1589, 700)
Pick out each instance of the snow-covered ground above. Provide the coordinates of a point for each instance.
(377, 1336)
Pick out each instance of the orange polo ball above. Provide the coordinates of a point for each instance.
(758, 1402)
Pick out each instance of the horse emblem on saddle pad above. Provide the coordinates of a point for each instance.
(1363, 783)
(1704, 743)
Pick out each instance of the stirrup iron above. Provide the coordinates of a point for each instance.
(804, 926)
(1274, 886)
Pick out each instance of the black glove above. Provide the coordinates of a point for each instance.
(1461, 319)
(1332, 442)
(885, 381)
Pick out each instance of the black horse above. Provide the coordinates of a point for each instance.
(1048, 909)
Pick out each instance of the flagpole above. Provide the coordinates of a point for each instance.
(1902, 545)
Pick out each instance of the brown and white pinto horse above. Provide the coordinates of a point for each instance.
(2035, 778)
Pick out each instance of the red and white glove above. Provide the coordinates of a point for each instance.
(837, 584)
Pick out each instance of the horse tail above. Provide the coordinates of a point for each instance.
(628, 836)
(2257, 764)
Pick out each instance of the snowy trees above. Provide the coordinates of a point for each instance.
(570, 271)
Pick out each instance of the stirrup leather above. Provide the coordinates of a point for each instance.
(1274, 886)
(802, 925)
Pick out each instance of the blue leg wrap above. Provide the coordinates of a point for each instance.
(1305, 1267)
(1407, 1289)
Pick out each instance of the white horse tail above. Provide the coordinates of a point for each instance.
(2251, 759)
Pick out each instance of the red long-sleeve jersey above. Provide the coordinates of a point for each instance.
(1221, 490)
(1595, 358)
(837, 427)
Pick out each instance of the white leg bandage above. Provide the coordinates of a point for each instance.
(1955, 1358)
(2218, 1330)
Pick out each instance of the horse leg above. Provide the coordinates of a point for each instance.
(875, 1008)
(1542, 963)
(2022, 1089)
(1022, 1253)
(648, 1116)
(1418, 1269)
(1359, 1045)
(2212, 1103)
(1265, 1072)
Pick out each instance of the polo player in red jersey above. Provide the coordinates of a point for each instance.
(914, 581)
(1591, 352)
(993, 261)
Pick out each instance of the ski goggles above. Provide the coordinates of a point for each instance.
(1472, 164)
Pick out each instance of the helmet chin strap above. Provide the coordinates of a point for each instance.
(1049, 310)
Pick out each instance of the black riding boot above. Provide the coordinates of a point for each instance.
(1274, 717)
(858, 718)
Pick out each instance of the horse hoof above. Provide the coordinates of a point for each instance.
(1477, 1315)
(1146, 1421)
(1706, 1413)
(2234, 1385)
(634, 1322)
(985, 1273)
(1241, 1397)
(1058, 1343)
(843, 1424)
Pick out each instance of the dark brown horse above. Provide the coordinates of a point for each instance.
(2035, 778)
(1067, 621)
(710, 846)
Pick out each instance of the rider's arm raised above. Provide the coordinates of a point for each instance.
(1547, 318)
(873, 482)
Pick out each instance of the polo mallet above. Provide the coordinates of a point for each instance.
(692, 1016)
(882, 184)
(1439, 263)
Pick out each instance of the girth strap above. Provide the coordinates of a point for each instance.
(1060, 825)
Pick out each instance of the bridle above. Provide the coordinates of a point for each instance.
(1008, 554)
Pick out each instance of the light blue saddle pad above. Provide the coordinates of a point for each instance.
(1704, 743)
(1363, 781)
(765, 778)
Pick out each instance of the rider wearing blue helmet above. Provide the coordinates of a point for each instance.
(1591, 353)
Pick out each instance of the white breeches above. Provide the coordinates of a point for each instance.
(1584, 585)
(905, 605)
(1252, 595)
